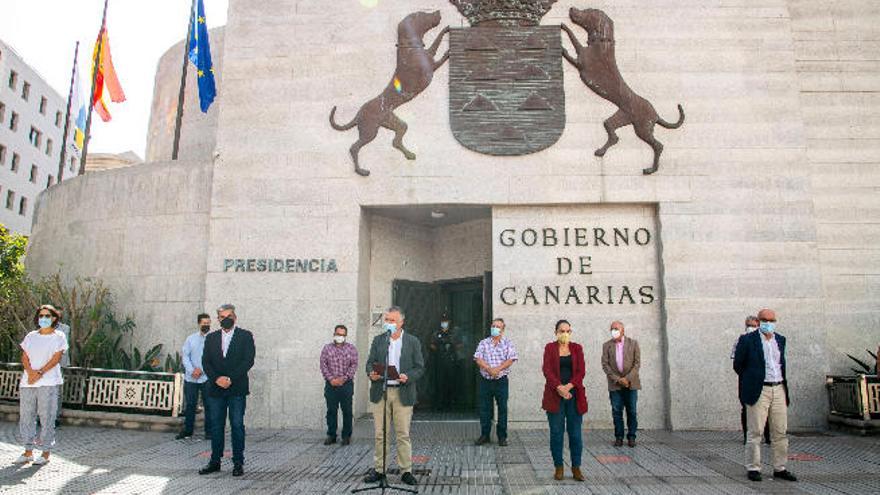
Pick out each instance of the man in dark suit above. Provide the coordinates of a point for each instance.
(759, 361)
(229, 355)
(404, 352)
(621, 361)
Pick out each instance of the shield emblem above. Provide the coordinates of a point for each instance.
(506, 93)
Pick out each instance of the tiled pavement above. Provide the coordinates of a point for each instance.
(100, 460)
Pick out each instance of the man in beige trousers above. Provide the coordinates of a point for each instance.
(759, 361)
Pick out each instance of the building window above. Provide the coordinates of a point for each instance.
(43, 102)
(22, 206)
(34, 173)
(2, 154)
(15, 160)
(2, 112)
(72, 163)
(48, 147)
(25, 91)
(57, 119)
(13, 122)
(10, 199)
(50, 181)
(35, 137)
(13, 80)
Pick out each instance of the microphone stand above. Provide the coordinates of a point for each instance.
(383, 480)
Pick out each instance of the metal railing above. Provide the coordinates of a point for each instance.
(856, 396)
(142, 392)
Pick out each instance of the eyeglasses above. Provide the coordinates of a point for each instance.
(766, 320)
(46, 315)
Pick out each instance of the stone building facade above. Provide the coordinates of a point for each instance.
(766, 197)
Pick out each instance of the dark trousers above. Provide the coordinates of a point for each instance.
(218, 407)
(338, 398)
(566, 419)
(191, 392)
(620, 400)
(493, 390)
(446, 382)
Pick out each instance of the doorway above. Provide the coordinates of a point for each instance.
(450, 381)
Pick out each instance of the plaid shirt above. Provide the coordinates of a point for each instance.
(339, 361)
(494, 354)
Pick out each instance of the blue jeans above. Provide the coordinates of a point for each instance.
(338, 398)
(191, 393)
(566, 419)
(493, 390)
(621, 399)
(218, 407)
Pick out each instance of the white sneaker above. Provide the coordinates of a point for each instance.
(24, 459)
(40, 461)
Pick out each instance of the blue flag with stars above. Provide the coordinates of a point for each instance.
(200, 56)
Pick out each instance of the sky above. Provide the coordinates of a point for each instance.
(45, 32)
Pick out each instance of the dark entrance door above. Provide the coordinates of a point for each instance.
(464, 303)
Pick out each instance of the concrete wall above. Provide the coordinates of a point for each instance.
(142, 230)
(835, 51)
(198, 132)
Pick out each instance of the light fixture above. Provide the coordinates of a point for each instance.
(437, 214)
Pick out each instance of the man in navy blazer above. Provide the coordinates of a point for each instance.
(759, 361)
(228, 356)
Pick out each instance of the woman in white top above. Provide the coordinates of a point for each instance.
(38, 392)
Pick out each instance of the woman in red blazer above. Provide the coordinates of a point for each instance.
(565, 398)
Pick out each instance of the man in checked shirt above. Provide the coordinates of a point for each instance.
(338, 364)
(495, 354)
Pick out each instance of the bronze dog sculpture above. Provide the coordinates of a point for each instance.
(597, 65)
(414, 72)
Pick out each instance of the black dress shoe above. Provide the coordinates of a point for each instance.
(618, 442)
(329, 440)
(182, 435)
(784, 475)
(502, 442)
(409, 479)
(210, 468)
(755, 475)
(482, 440)
(373, 476)
(238, 470)
(346, 440)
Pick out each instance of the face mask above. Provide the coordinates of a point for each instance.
(751, 328)
(339, 339)
(615, 334)
(768, 327)
(563, 338)
(444, 325)
(205, 328)
(495, 331)
(45, 322)
(227, 322)
(390, 327)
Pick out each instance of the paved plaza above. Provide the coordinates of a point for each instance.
(101, 460)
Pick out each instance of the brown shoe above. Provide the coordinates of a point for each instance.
(618, 442)
(576, 474)
(631, 442)
(559, 474)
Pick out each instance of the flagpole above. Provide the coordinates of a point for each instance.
(96, 66)
(67, 117)
(181, 96)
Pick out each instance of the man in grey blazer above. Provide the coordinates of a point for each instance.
(621, 359)
(403, 351)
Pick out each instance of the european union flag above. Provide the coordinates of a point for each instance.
(200, 56)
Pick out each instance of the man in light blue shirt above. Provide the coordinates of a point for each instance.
(195, 378)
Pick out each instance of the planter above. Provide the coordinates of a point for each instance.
(854, 402)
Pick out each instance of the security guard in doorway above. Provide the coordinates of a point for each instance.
(446, 349)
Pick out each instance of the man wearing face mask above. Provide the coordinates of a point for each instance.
(759, 361)
(445, 348)
(400, 349)
(751, 326)
(494, 356)
(229, 355)
(195, 377)
(338, 365)
(621, 360)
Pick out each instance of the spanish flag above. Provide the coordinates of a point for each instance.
(106, 76)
